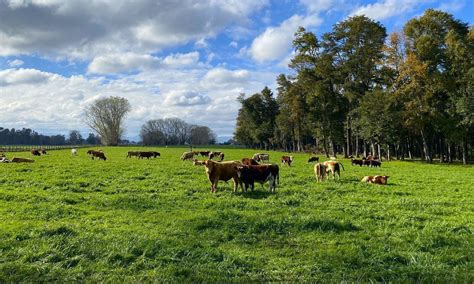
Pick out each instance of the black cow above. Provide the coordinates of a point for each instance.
(248, 175)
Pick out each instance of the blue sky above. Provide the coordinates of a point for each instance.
(187, 59)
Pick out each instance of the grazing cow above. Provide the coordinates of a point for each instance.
(376, 179)
(221, 157)
(320, 171)
(98, 154)
(156, 154)
(22, 160)
(74, 152)
(261, 157)
(225, 171)
(187, 156)
(374, 163)
(261, 173)
(196, 162)
(334, 167)
(91, 152)
(287, 160)
(35, 152)
(204, 153)
(357, 162)
(313, 159)
(212, 155)
(249, 162)
(147, 155)
(365, 162)
(133, 154)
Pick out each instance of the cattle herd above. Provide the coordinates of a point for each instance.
(244, 172)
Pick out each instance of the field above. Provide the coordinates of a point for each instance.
(67, 218)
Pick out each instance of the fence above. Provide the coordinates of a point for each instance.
(27, 148)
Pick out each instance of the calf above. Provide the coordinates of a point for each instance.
(225, 171)
(375, 164)
(376, 179)
(313, 159)
(334, 167)
(261, 173)
(357, 162)
(320, 171)
(74, 152)
(187, 156)
(287, 160)
(249, 161)
(98, 154)
(35, 153)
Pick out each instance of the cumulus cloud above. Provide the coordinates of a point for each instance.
(15, 63)
(224, 77)
(81, 29)
(275, 42)
(185, 98)
(387, 8)
(23, 76)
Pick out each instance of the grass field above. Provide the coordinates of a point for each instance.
(70, 218)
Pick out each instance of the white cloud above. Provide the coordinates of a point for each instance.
(224, 77)
(275, 42)
(182, 60)
(22, 76)
(79, 29)
(387, 8)
(185, 98)
(316, 6)
(15, 63)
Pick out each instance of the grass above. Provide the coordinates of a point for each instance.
(67, 218)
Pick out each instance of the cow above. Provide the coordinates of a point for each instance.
(313, 159)
(357, 162)
(287, 160)
(196, 162)
(43, 151)
(187, 156)
(4, 160)
(22, 160)
(35, 152)
(74, 152)
(249, 161)
(133, 154)
(156, 154)
(90, 152)
(374, 163)
(365, 162)
(320, 171)
(261, 157)
(221, 157)
(376, 179)
(147, 155)
(334, 167)
(204, 153)
(212, 155)
(225, 171)
(97, 154)
(261, 173)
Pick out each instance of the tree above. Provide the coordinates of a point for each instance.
(75, 138)
(106, 117)
(175, 131)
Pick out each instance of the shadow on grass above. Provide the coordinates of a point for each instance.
(256, 194)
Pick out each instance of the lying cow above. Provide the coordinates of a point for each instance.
(313, 159)
(287, 160)
(35, 152)
(261, 157)
(74, 152)
(21, 160)
(187, 156)
(320, 172)
(376, 179)
(357, 162)
(249, 161)
(334, 167)
(225, 171)
(261, 173)
(97, 154)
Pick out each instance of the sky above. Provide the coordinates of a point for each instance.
(169, 58)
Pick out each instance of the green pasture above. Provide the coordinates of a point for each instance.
(67, 218)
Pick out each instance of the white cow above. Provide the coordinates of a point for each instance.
(74, 151)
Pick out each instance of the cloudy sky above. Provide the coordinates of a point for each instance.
(170, 58)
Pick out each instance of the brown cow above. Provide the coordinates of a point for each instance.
(97, 154)
(313, 159)
(376, 179)
(249, 162)
(287, 160)
(35, 152)
(334, 167)
(225, 171)
(21, 160)
(320, 171)
(261, 173)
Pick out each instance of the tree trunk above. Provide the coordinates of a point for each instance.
(348, 151)
(464, 152)
(426, 148)
(388, 152)
(333, 146)
(357, 146)
(379, 152)
(450, 157)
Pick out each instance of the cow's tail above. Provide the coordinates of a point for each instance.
(341, 166)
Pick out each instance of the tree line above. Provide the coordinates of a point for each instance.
(26, 136)
(356, 90)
